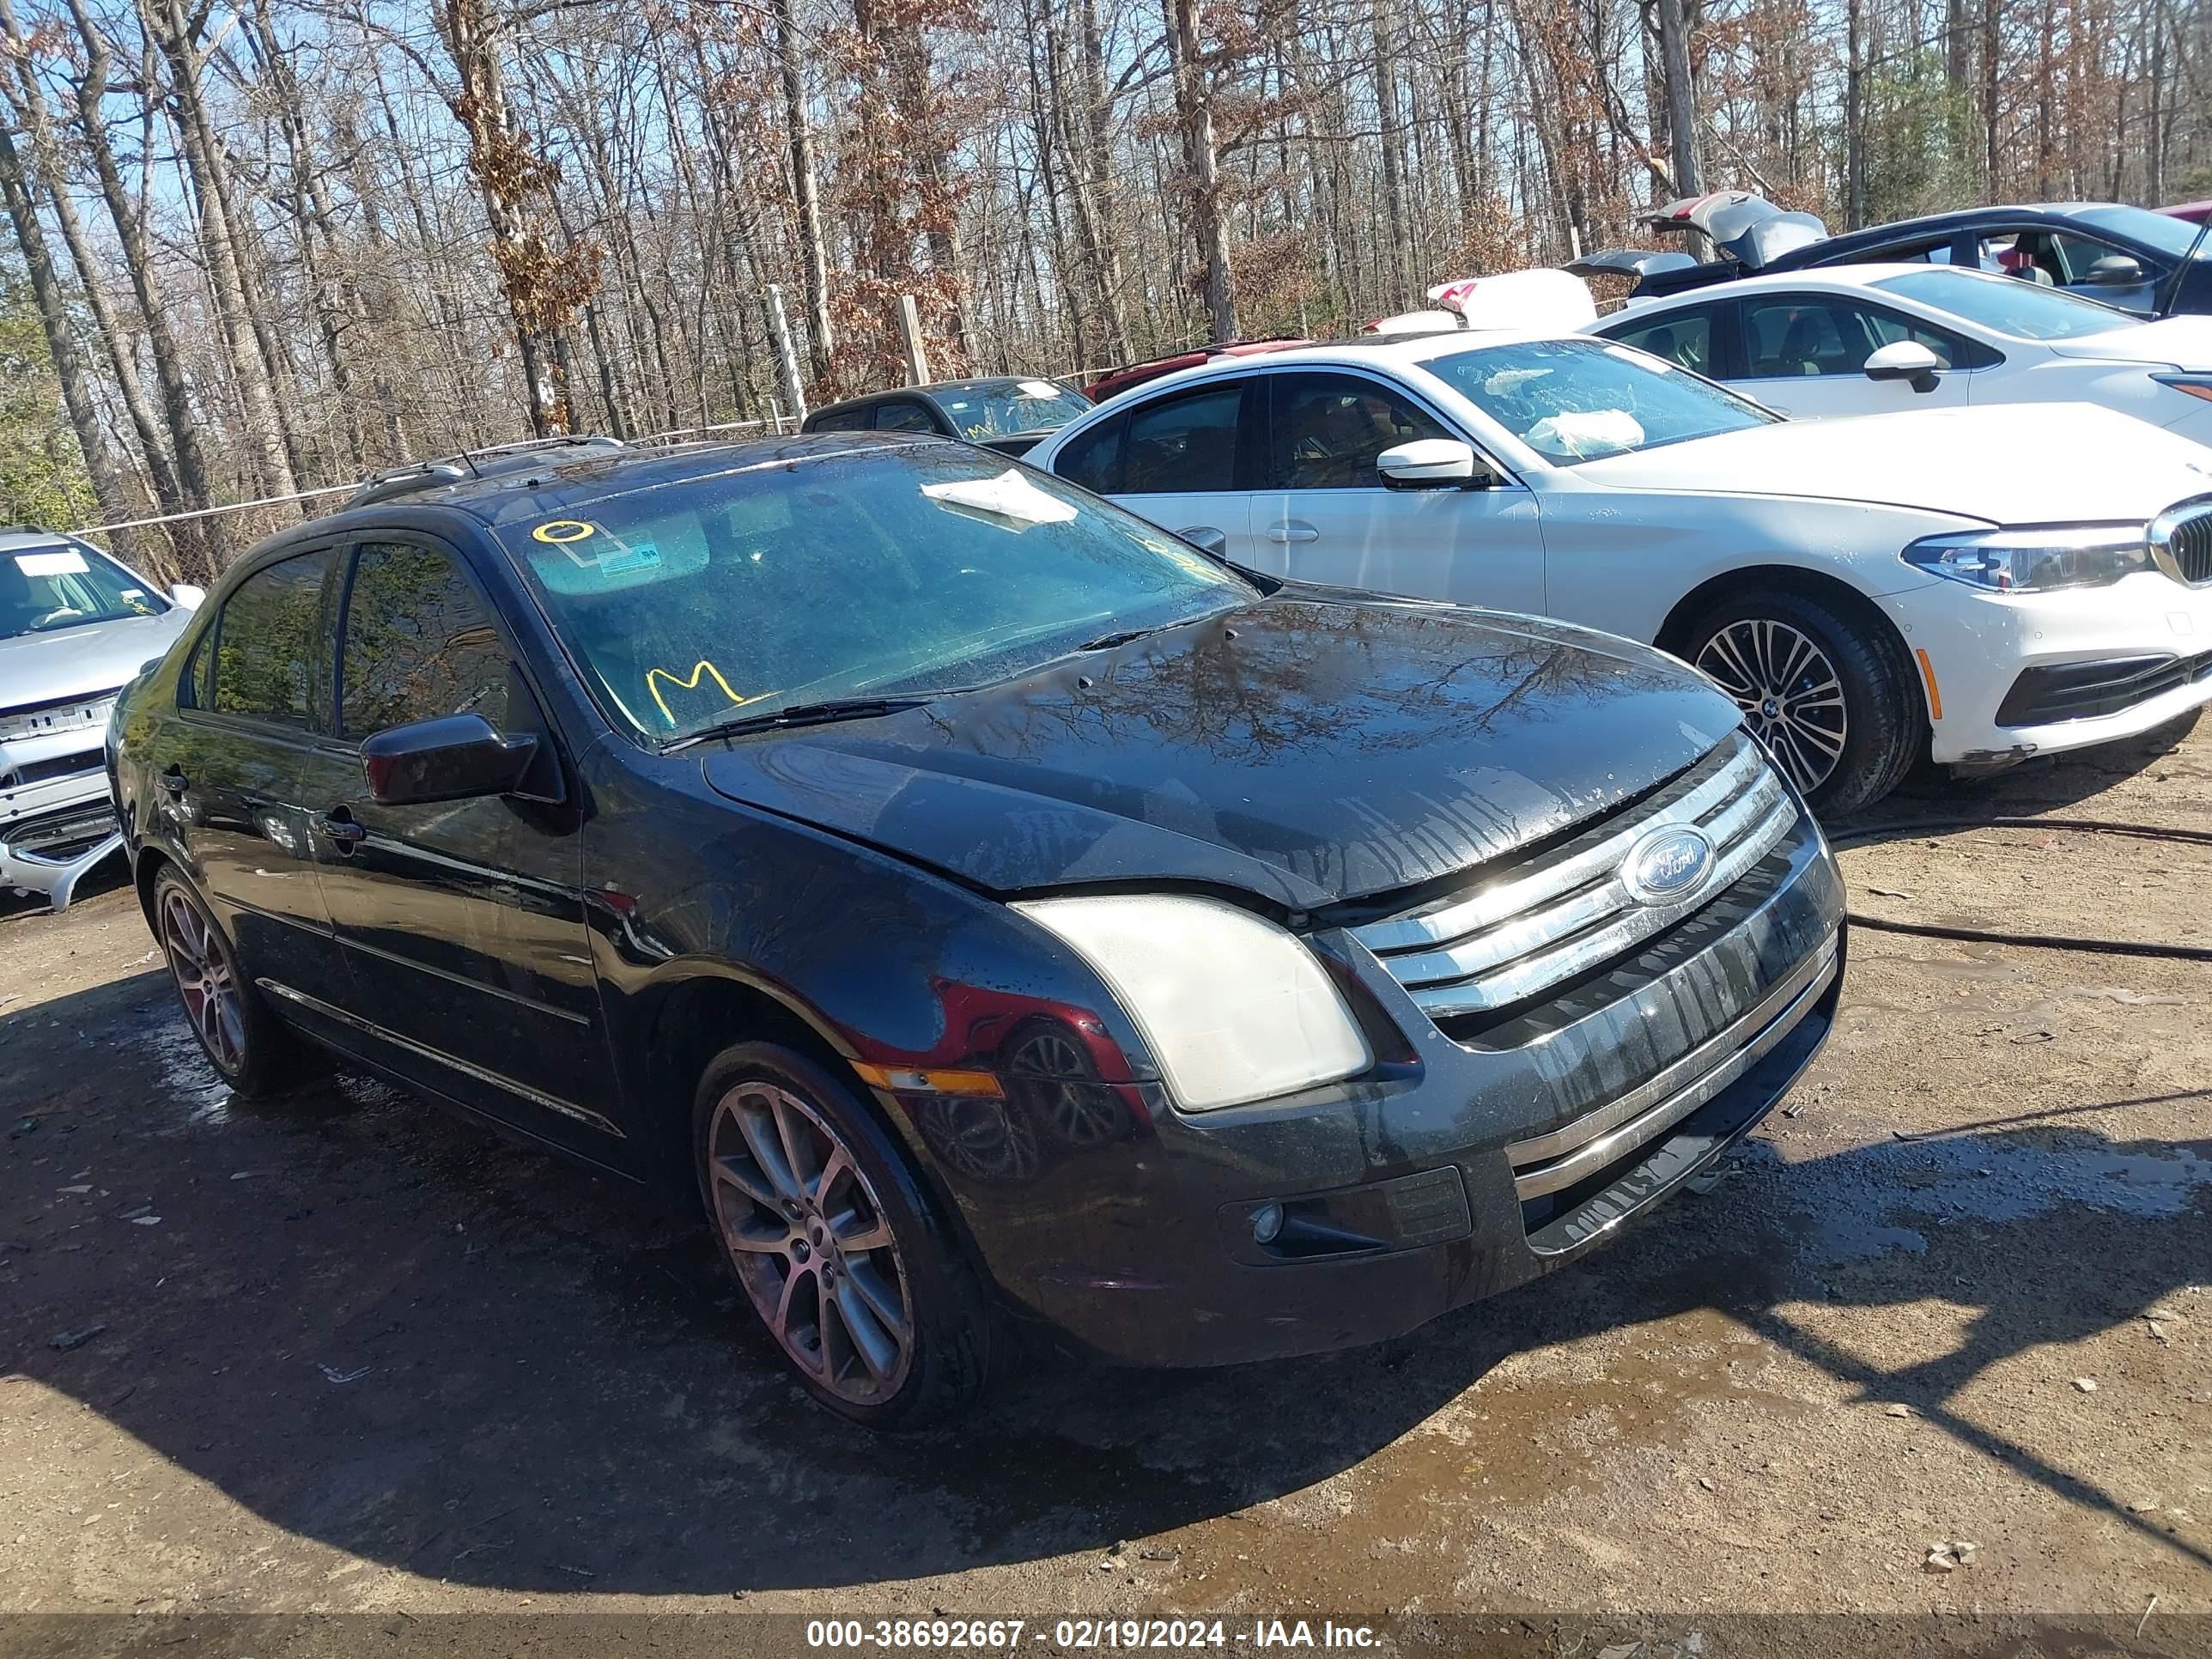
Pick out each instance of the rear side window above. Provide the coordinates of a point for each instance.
(1183, 445)
(1093, 461)
(1684, 338)
(418, 644)
(268, 640)
(843, 420)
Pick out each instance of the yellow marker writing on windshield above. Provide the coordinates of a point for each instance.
(557, 530)
(701, 669)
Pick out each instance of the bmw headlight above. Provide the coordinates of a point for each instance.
(2036, 561)
(1233, 1008)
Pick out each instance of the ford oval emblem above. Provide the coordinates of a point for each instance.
(1668, 865)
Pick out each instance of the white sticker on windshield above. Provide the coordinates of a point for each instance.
(1039, 389)
(1009, 500)
(66, 563)
(627, 557)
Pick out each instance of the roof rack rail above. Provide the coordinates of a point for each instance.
(461, 465)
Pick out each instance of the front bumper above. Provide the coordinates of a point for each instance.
(53, 832)
(1463, 1165)
(2025, 674)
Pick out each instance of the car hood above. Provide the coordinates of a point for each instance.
(2170, 342)
(86, 661)
(2006, 464)
(1302, 748)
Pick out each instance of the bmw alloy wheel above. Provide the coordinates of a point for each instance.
(205, 981)
(810, 1242)
(1790, 695)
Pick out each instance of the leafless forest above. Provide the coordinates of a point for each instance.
(263, 246)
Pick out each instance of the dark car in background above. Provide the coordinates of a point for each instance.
(985, 902)
(2150, 264)
(1009, 414)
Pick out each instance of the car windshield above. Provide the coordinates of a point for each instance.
(989, 411)
(2026, 311)
(2162, 231)
(1577, 400)
(43, 589)
(816, 577)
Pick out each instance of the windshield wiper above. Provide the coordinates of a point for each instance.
(1122, 636)
(799, 714)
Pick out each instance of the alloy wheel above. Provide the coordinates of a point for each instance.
(811, 1243)
(205, 981)
(1790, 695)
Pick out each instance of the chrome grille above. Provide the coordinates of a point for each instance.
(2181, 540)
(1505, 940)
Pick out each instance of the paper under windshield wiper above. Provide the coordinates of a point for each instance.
(800, 713)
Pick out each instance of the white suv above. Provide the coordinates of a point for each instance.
(1995, 583)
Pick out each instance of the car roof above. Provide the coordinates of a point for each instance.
(14, 536)
(1386, 352)
(1850, 276)
(1958, 219)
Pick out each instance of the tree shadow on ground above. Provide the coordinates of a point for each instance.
(384, 1330)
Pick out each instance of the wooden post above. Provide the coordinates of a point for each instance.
(917, 360)
(787, 360)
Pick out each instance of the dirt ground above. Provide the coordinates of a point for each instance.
(269, 1369)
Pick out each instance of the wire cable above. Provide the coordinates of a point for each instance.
(2110, 947)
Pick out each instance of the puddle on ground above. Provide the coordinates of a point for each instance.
(187, 1080)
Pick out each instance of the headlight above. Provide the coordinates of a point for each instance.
(1233, 1008)
(2036, 561)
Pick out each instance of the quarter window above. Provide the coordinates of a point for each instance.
(268, 640)
(842, 419)
(418, 643)
(1330, 428)
(1183, 445)
(904, 417)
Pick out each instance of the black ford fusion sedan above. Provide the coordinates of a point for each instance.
(991, 904)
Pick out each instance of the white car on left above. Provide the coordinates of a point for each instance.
(75, 627)
(1871, 339)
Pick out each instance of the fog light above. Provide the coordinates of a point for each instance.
(1267, 1222)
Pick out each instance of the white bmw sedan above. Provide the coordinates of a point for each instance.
(1989, 583)
(1868, 339)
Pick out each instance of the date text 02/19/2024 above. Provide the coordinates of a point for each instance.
(1070, 1635)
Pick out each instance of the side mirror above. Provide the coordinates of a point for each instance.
(187, 595)
(2115, 271)
(1906, 360)
(1207, 539)
(1432, 463)
(460, 757)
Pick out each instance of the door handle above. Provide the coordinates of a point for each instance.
(338, 825)
(176, 781)
(1292, 530)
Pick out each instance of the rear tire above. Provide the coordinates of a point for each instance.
(251, 1049)
(864, 1291)
(1829, 694)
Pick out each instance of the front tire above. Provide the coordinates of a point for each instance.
(1828, 695)
(251, 1049)
(825, 1228)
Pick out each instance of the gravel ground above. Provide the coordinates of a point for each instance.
(277, 1380)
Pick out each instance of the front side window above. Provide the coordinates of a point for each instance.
(1328, 429)
(418, 643)
(1812, 334)
(904, 415)
(1681, 337)
(1579, 399)
(692, 603)
(1093, 460)
(268, 640)
(2007, 306)
(43, 590)
(1183, 445)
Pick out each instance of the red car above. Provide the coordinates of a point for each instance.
(1121, 379)
(2195, 212)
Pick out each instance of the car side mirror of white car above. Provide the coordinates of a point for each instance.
(187, 595)
(1906, 360)
(1433, 463)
